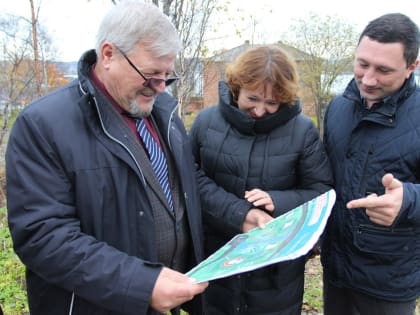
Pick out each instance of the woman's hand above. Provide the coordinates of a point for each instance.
(260, 198)
(255, 218)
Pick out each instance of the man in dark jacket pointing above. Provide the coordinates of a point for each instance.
(103, 206)
(371, 250)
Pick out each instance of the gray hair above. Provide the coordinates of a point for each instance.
(132, 22)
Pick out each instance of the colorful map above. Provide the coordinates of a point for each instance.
(286, 237)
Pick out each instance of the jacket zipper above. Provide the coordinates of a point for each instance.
(402, 231)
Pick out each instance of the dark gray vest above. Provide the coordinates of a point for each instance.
(171, 227)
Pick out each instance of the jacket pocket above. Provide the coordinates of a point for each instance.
(386, 241)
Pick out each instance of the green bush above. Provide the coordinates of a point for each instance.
(188, 120)
(314, 120)
(12, 274)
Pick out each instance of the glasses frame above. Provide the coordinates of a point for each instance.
(149, 81)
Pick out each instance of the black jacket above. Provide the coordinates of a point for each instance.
(79, 215)
(363, 145)
(281, 154)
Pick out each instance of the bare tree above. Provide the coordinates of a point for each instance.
(34, 26)
(18, 79)
(328, 43)
(17, 75)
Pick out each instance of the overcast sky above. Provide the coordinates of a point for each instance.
(72, 24)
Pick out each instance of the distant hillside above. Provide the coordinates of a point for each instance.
(69, 69)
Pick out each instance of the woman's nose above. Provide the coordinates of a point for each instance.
(259, 111)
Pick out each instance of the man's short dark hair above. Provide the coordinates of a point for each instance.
(395, 28)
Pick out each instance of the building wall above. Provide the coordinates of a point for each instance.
(307, 102)
(213, 73)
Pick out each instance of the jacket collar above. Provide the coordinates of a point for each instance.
(246, 124)
(388, 107)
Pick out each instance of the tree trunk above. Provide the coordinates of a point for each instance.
(36, 50)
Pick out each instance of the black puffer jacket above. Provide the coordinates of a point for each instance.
(281, 154)
(364, 145)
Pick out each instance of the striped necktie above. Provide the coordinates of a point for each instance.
(157, 159)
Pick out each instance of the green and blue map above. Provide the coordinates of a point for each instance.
(286, 237)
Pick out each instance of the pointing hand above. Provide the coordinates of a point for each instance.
(382, 209)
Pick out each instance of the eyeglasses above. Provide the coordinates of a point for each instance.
(150, 82)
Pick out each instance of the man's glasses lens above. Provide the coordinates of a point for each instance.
(149, 82)
(157, 82)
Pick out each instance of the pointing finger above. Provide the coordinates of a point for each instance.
(367, 202)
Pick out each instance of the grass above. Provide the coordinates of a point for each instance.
(312, 298)
(12, 278)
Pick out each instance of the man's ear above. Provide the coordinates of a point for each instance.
(412, 67)
(107, 53)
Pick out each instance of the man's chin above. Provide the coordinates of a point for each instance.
(144, 113)
(371, 95)
(141, 110)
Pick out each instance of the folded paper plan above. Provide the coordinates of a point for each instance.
(286, 237)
